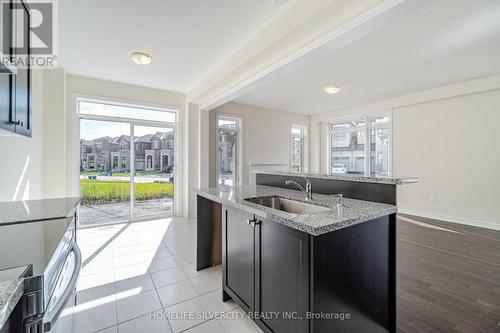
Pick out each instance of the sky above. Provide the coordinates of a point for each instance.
(92, 129)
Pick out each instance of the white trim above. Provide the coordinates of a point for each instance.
(132, 170)
(204, 144)
(451, 219)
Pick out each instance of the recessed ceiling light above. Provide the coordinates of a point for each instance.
(333, 89)
(280, 2)
(141, 58)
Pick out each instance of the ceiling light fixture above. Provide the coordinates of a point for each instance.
(333, 89)
(141, 58)
(280, 2)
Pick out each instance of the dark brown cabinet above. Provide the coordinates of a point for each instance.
(15, 89)
(283, 277)
(294, 282)
(239, 257)
(266, 269)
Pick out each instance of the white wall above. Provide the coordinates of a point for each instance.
(21, 167)
(56, 169)
(448, 138)
(192, 161)
(266, 135)
(452, 146)
(46, 165)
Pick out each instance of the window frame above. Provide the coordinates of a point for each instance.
(78, 116)
(110, 102)
(303, 128)
(238, 176)
(366, 129)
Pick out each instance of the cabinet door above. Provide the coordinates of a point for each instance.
(23, 78)
(6, 109)
(6, 117)
(239, 257)
(282, 277)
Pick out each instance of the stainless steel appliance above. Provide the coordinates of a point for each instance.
(50, 247)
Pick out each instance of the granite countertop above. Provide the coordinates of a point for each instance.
(10, 293)
(345, 177)
(11, 290)
(12, 212)
(353, 212)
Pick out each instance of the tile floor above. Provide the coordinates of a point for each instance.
(141, 277)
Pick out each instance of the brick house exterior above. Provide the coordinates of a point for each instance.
(152, 152)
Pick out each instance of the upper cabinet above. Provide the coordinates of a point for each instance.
(15, 81)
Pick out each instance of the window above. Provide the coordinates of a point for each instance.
(227, 123)
(124, 174)
(346, 150)
(228, 147)
(379, 152)
(297, 154)
(349, 151)
(129, 112)
(340, 136)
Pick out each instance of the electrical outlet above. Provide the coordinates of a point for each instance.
(433, 198)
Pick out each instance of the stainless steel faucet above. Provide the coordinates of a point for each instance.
(340, 202)
(307, 190)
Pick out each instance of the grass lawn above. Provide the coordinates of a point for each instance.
(100, 192)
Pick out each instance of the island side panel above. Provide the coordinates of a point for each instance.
(209, 233)
(383, 193)
(354, 271)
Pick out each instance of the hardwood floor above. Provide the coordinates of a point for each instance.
(448, 277)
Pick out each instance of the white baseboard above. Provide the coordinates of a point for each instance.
(451, 219)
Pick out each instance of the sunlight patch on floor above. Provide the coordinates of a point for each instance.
(427, 225)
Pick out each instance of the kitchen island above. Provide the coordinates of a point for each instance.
(298, 263)
(331, 270)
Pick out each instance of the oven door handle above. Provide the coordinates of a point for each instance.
(51, 317)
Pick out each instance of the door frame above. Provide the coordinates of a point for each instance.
(132, 123)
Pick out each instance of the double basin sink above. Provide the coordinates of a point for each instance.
(287, 205)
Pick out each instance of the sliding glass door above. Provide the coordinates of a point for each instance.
(104, 171)
(127, 167)
(154, 158)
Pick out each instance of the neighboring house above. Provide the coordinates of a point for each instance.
(348, 150)
(348, 153)
(152, 152)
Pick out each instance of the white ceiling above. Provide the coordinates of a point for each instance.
(446, 42)
(187, 38)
